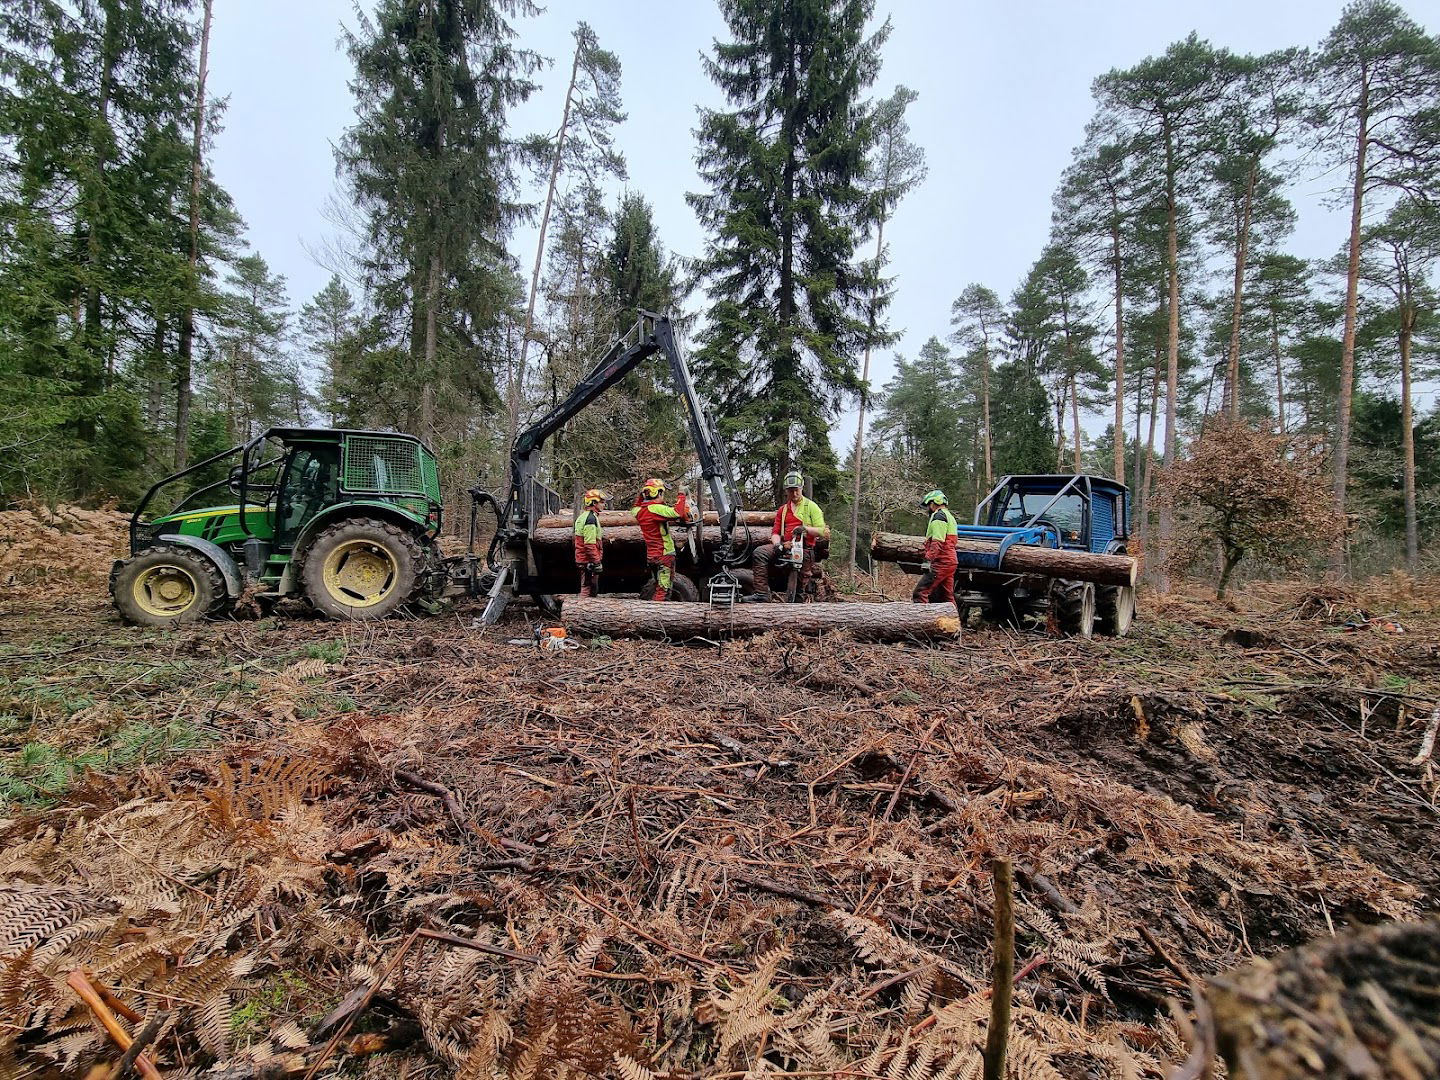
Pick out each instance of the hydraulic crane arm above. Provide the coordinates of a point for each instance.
(651, 333)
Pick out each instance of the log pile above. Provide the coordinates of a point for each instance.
(603, 616)
(565, 519)
(1019, 559)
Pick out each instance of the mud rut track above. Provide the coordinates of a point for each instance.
(655, 821)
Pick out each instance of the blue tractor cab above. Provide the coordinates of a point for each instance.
(1076, 512)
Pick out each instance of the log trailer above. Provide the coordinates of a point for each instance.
(530, 553)
(348, 520)
(1041, 547)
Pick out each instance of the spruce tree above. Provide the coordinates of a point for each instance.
(431, 166)
(786, 209)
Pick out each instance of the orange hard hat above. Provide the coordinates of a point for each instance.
(652, 487)
(593, 496)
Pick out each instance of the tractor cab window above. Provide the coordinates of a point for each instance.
(310, 486)
(1067, 514)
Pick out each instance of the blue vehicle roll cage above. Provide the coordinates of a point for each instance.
(1035, 530)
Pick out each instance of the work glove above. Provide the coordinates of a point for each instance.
(596, 567)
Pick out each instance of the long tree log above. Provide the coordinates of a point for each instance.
(1020, 559)
(597, 616)
(565, 519)
(621, 537)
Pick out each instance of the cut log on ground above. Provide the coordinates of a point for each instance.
(566, 519)
(1020, 559)
(602, 616)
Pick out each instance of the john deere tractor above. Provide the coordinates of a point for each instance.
(345, 519)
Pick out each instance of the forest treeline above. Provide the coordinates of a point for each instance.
(139, 331)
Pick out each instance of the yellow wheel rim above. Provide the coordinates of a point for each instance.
(166, 590)
(359, 573)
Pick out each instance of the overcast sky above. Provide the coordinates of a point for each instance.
(1004, 95)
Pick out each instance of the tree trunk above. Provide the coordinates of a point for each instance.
(183, 373)
(1407, 427)
(1149, 477)
(97, 195)
(1119, 357)
(597, 616)
(985, 394)
(1060, 426)
(1019, 559)
(864, 399)
(1352, 294)
(154, 395)
(1230, 403)
(1231, 559)
(427, 387)
(1172, 357)
(1075, 419)
(518, 377)
(1279, 370)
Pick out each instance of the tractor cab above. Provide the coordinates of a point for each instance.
(345, 518)
(1081, 513)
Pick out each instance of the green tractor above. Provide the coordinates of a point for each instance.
(345, 519)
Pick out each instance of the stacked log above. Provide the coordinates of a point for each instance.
(1019, 559)
(597, 616)
(625, 543)
(565, 519)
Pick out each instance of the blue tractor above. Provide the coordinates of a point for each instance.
(1076, 513)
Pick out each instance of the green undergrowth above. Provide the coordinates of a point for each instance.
(40, 772)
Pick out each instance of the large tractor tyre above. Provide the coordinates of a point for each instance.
(362, 568)
(1114, 609)
(168, 585)
(1074, 606)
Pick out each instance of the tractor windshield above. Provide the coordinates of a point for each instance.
(1067, 513)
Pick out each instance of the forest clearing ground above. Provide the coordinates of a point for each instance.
(773, 848)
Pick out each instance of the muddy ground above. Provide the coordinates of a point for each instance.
(658, 859)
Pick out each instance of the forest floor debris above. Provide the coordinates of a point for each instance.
(637, 859)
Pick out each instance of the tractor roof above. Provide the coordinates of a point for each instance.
(1049, 483)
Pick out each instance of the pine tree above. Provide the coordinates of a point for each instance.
(1401, 251)
(1376, 87)
(1246, 205)
(1168, 102)
(898, 166)
(979, 318)
(584, 143)
(1101, 197)
(786, 209)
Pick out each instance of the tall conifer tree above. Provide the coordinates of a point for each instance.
(787, 206)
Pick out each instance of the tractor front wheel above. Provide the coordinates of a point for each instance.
(362, 569)
(168, 585)
(1074, 604)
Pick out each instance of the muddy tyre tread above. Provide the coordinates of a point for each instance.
(1114, 610)
(408, 549)
(207, 573)
(1074, 601)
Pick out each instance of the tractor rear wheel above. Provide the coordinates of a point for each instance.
(1074, 604)
(362, 568)
(1114, 609)
(167, 585)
